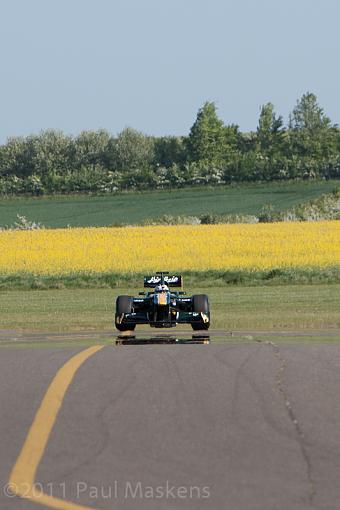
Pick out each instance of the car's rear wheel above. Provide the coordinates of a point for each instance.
(200, 304)
(123, 306)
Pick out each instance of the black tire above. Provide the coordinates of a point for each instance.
(124, 305)
(124, 327)
(200, 304)
(199, 326)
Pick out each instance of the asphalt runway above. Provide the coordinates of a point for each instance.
(234, 425)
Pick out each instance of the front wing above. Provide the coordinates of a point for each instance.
(181, 317)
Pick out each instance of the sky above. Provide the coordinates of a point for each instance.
(78, 65)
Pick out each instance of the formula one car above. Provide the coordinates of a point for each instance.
(162, 307)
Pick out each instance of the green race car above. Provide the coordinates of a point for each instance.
(162, 307)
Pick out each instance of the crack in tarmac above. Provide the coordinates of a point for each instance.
(293, 418)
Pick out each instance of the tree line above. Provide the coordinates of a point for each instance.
(212, 153)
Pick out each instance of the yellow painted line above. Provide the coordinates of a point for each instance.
(21, 481)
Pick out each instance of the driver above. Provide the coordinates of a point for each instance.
(161, 288)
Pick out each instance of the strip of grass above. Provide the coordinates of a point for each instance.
(134, 207)
(279, 276)
(291, 307)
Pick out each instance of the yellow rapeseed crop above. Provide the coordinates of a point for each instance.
(184, 247)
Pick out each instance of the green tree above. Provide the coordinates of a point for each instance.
(169, 150)
(92, 148)
(232, 140)
(51, 151)
(307, 114)
(132, 150)
(311, 131)
(207, 140)
(16, 157)
(270, 131)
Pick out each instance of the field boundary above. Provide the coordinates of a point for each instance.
(210, 278)
(137, 207)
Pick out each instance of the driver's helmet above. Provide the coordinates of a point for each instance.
(161, 288)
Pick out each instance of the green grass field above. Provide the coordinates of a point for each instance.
(192, 279)
(84, 210)
(292, 307)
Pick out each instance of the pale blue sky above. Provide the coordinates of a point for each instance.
(88, 64)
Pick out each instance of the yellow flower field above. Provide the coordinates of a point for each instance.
(174, 248)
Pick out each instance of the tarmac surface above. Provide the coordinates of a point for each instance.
(237, 425)
(36, 336)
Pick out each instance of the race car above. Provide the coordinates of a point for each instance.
(162, 307)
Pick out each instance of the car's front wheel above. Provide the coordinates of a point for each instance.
(123, 306)
(200, 304)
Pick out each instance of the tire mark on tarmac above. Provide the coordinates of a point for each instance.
(104, 431)
(279, 380)
(237, 381)
(300, 436)
(254, 387)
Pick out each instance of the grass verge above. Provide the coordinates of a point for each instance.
(213, 278)
(278, 308)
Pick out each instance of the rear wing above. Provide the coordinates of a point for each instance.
(171, 281)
